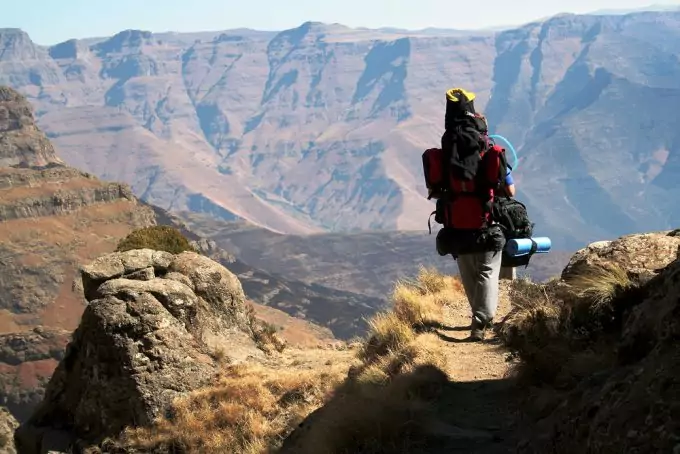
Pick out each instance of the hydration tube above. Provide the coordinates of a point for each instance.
(514, 153)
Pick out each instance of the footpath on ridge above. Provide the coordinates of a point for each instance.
(476, 407)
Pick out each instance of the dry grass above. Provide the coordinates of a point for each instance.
(600, 286)
(248, 411)
(388, 333)
(387, 401)
(562, 330)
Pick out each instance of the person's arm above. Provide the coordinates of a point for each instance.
(510, 185)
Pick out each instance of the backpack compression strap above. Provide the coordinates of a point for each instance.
(532, 251)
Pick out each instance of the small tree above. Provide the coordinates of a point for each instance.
(159, 238)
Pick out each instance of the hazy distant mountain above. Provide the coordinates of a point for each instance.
(650, 8)
(321, 127)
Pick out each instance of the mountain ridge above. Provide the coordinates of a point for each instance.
(321, 129)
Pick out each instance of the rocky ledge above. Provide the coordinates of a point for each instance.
(156, 326)
(642, 254)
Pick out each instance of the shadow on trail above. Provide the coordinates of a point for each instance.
(450, 339)
(476, 417)
(433, 325)
(417, 412)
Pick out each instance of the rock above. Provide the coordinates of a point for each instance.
(117, 264)
(215, 284)
(41, 343)
(176, 297)
(639, 254)
(21, 142)
(7, 427)
(140, 344)
(633, 404)
(142, 275)
(179, 277)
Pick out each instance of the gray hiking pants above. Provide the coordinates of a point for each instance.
(479, 273)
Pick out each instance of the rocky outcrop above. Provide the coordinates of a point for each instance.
(27, 360)
(63, 201)
(14, 179)
(33, 181)
(630, 402)
(153, 325)
(21, 142)
(37, 344)
(639, 254)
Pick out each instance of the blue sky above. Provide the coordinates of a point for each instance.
(53, 21)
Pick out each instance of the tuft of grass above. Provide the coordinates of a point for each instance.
(388, 333)
(562, 331)
(431, 280)
(600, 285)
(220, 355)
(159, 238)
(413, 307)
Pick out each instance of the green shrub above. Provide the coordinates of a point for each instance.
(159, 238)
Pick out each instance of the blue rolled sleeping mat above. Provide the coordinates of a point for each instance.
(523, 246)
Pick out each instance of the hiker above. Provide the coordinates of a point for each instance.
(465, 175)
(480, 271)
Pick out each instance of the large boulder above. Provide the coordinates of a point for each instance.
(638, 254)
(150, 333)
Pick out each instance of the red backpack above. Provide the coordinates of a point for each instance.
(464, 197)
(464, 203)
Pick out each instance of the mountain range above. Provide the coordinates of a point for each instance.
(321, 127)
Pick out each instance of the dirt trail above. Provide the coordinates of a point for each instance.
(476, 408)
(475, 411)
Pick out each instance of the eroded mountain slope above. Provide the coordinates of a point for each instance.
(321, 127)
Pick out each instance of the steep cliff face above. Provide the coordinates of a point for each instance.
(321, 127)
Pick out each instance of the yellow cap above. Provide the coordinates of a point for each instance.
(454, 93)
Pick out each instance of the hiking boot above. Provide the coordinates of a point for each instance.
(477, 334)
(478, 330)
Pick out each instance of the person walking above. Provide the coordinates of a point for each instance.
(472, 174)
